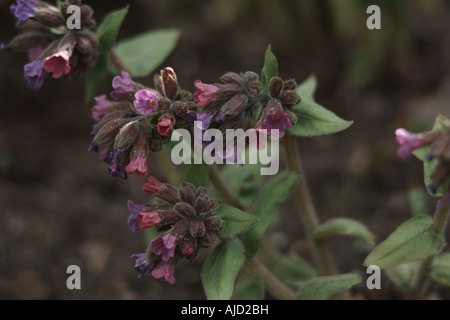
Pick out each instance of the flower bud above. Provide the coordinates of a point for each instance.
(27, 40)
(290, 84)
(49, 19)
(214, 223)
(202, 203)
(289, 98)
(186, 193)
(84, 45)
(108, 132)
(184, 209)
(235, 105)
(170, 83)
(127, 135)
(197, 228)
(155, 143)
(275, 87)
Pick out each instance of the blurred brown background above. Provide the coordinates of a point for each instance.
(58, 205)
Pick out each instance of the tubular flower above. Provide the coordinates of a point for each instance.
(186, 224)
(137, 121)
(52, 47)
(439, 143)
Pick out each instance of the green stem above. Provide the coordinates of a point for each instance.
(277, 287)
(222, 187)
(307, 211)
(420, 278)
(116, 61)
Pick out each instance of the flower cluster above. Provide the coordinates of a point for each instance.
(439, 142)
(52, 47)
(186, 223)
(239, 103)
(137, 121)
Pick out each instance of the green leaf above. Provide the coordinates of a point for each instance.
(236, 221)
(95, 76)
(144, 52)
(249, 288)
(429, 166)
(275, 192)
(220, 270)
(294, 270)
(269, 70)
(441, 269)
(108, 30)
(307, 88)
(345, 227)
(197, 174)
(315, 120)
(411, 241)
(327, 287)
(243, 181)
(402, 276)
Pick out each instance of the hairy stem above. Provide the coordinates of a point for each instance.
(223, 188)
(420, 278)
(116, 61)
(307, 211)
(277, 287)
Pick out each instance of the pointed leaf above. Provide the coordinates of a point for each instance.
(411, 241)
(143, 53)
(402, 276)
(236, 221)
(275, 192)
(345, 227)
(441, 269)
(315, 120)
(109, 29)
(220, 270)
(327, 287)
(269, 70)
(307, 88)
(249, 288)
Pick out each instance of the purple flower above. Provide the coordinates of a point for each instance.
(135, 209)
(122, 85)
(116, 169)
(24, 10)
(146, 101)
(165, 271)
(276, 120)
(101, 109)
(141, 265)
(444, 201)
(408, 142)
(35, 74)
(164, 246)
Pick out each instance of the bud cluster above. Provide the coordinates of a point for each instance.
(52, 47)
(439, 142)
(138, 120)
(186, 223)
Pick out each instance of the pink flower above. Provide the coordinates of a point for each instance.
(153, 186)
(146, 101)
(148, 219)
(165, 127)
(138, 166)
(101, 109)
(277, 120)
(408, 142)
(58, 63)
(165, 271)
(205, 94)
(164, 246)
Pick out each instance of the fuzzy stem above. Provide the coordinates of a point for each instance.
(307, 211)
(277, 287)
(420, 278)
